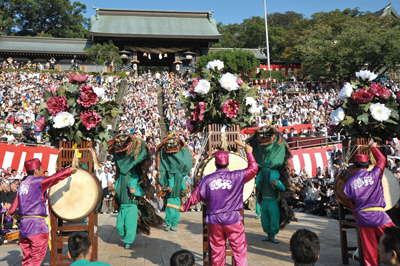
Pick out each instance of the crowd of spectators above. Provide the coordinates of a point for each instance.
(9, 63)
(313, 194)
(8, 190)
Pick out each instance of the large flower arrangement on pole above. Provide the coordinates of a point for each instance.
(75, 112)
(367, 109)
(218, 98)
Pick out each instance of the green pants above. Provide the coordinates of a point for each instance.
(270, 215)
(172, 215)
(258, 207)
(127, 222)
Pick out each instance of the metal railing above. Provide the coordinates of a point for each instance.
(305, 142)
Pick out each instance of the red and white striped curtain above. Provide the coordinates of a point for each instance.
(14, 156)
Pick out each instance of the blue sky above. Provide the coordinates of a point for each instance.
(234, 11)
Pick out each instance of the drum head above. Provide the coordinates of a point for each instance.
(391, 189)
(236, 162)
(75, 197)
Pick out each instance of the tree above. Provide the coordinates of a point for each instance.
(43, 18)
(8, 14)
(235, 61)
(231, 37)
(282, 28)
(337, 44)
(251, 33)
(106, 54)
(287, 20)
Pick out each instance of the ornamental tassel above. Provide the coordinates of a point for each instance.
(224, 143)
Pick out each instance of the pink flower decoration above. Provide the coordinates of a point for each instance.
(189, 125)
(230, 108)
(78, 78)
(198, 110)
(40, 124)
(194, 85)
(88, 96)
(362, 96)
(52, 89)
(239, 82)
(90, 119)
(57, 104)
(379, 91)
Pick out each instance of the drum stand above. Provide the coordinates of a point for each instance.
(60, 233)
(344, 226)
(214, 140)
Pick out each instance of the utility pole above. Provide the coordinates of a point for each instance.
(266, 37)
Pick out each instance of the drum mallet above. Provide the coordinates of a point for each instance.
(176, 207)
(240, 144)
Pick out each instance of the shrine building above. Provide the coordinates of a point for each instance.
(173, 39)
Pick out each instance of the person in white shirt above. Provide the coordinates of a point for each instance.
(104, 177)
(16, 129)
(14, 175)
(9, 136)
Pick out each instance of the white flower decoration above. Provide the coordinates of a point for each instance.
(63, 119)
(99, 91)
(215, 64)
(366, 75)
(337, 116)
(380, 112)
(254, 109)
(203, 87)
(229, 82)
(251, 101)
(346, 91)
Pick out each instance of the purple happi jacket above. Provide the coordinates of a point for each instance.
(365, 190)
(32, 199)
(222, 192)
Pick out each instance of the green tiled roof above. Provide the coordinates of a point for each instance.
(256, 51)
(388, 11)
(154, 24)
(43, 45)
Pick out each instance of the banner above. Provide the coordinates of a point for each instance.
(14, 156)
(311, 159)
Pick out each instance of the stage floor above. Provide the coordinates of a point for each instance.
(157, 248)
